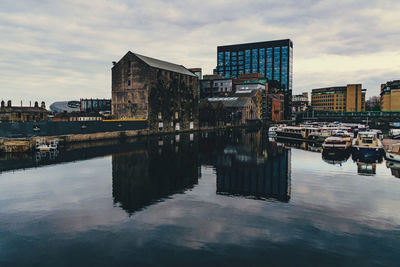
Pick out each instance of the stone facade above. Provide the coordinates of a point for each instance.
(164, 94)
(10, 113)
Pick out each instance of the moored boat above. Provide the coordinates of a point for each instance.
(336, 144)
(367, 144)
(394, 133)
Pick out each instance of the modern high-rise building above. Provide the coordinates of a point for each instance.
(273, 59)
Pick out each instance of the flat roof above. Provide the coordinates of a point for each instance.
(262, 44)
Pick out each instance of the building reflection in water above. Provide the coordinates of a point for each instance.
(248, 165)
(163, 167)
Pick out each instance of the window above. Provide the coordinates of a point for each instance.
(227, 58)
(220, 58)
(269, 63)
(277, 61)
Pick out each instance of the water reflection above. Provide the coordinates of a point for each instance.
(394, 168)
(161, 168)
(268, 177)
(335, 159)
(64, 214)
(248, 164)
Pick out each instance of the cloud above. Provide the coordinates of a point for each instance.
(63, 50)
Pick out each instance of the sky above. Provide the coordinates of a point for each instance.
(63, 50)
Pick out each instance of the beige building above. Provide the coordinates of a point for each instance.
(390, 96)
(350, 98)
(10, 113)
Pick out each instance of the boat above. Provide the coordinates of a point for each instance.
(272, 131)
(43, 146)
(367, 144)
(394, 133)
(336, 145)
(299, 133)
(393, 153)
(378, 132)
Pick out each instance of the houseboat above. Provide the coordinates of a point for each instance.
(336, 145)
(299, 133)
(367, 144)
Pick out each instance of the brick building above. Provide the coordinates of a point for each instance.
(163, 93)
(23, 114)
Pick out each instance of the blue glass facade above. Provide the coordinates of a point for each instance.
(277, 64)
(273, 59)
(284, 69)
(269, 63)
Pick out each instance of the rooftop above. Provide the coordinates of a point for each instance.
(160, 64)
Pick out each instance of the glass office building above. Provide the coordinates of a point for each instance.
(273, 59)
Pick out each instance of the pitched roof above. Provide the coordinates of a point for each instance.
(156, 63)
(232, 102)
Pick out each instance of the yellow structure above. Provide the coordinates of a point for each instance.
(350, 98)
(390, 96)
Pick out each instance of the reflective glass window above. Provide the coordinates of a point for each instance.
(277, 63)
(284, 67)
(220, 58)
(269, 64)
(227, 58)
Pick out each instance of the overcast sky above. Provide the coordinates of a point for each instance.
(62, 50)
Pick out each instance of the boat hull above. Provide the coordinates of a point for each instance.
(368, 151)
(392, 156)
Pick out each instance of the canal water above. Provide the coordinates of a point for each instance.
(219, 198)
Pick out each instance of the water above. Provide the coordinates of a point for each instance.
(211, 199)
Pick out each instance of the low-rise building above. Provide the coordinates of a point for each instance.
(95, 105)
(11, 113)
(300, 102)
(240, 110)
(276, 107)
(163, 93)
(215, 86)
(390, 96)
(350, 98)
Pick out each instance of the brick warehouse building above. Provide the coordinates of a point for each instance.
(163, 93)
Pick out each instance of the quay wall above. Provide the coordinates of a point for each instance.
(19, 137)
(50, 128)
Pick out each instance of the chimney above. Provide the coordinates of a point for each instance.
(43, 105)
(3, 104)
(36, 104)
(9, 103)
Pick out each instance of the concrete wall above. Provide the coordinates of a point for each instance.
(49, 128)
